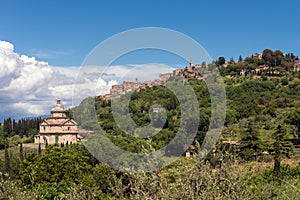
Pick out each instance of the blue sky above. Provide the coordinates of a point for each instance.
(39, 38)
(64, 32)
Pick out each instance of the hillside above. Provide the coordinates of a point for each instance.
(264, 103)
(256, 157)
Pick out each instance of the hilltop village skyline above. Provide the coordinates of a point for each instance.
(192, 71)
(258, 68)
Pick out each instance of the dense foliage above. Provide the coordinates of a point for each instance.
(261, 103)
(72, 173)
(269, 63)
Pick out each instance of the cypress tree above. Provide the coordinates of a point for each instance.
(39, 149)
(7, 168)
(21, 152)
(240, 59)
(279, 149)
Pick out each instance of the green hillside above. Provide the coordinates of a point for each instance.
(256, 157)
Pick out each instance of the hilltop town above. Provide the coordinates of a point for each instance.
(267, 63)
(197, 71)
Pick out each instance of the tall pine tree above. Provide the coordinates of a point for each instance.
(281, 148)
(250, 143)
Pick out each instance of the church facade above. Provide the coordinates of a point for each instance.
(58, 128)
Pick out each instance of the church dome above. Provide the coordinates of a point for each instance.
(59, 106)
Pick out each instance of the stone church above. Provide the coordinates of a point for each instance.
(58, 128)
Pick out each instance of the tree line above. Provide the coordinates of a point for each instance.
(22, 128)
(273, 63)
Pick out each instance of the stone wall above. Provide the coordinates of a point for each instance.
(51, 139)
(58, 129)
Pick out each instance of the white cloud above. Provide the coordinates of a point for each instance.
(46, 54)
(9, 61)
(6, 45)
(33, 75)
(29, 108)
(30, 87)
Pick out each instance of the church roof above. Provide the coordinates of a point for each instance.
(59, 122)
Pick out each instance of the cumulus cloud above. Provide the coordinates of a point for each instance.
(9, 63)
(33, 75)
(29, 87)
(29, 108)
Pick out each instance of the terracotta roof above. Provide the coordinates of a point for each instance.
(58, 121)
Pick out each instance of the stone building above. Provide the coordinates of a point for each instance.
(256, 56)
(165, 77)
(58, 128)
(127, 86)
(297, 65)
(197, 71)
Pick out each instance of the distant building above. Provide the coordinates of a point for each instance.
(165, 77)
(191, 66)
(106, 96)
(127, 86)
(58, 128)
(177, 72)
(197, 71)
(257, 56)
(297, 65)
